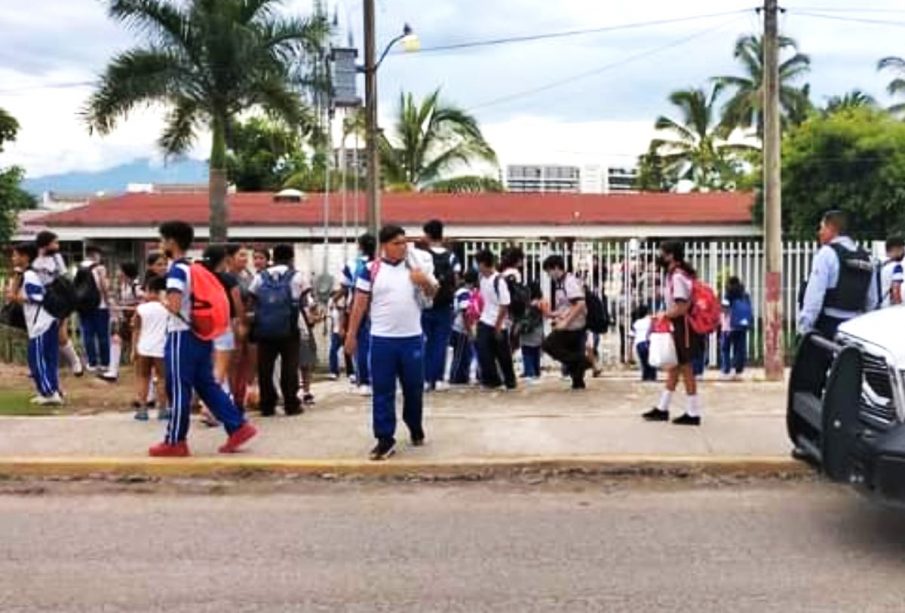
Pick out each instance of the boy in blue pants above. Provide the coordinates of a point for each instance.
(43, 329)
(188, 359)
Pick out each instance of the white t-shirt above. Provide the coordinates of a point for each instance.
(179, 279)
(100, 278)
(152, 338)
(641, 329)
(461, 299)
(495, 294)
(568, 291)
(678, 288)
(395, 312)
(48, 267)
(37, 320)
(891, 274)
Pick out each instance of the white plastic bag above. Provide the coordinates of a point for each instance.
(662, 350)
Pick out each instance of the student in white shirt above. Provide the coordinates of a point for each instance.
(149, 339)
(494, 350)
(390, 287)
(96, 320)
(49, 265)
(43, 330)
(640, 334)
(891, 274)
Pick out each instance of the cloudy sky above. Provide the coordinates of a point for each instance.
(589, 98)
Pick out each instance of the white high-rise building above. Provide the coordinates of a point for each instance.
(586, 179)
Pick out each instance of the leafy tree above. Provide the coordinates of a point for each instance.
(896, 87)
(262, 155)
(694, 147)
(467, 184)
(207, 61)
(853, 160)
(652, 175)
(745, 109)
(854, 99)
(12, 197)
(431, 140)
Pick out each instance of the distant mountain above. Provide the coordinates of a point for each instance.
(115, 179)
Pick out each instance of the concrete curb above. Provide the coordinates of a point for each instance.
(614, 465)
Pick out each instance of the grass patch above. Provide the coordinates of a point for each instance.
(17, 402)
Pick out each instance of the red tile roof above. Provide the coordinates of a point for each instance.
(258, 209)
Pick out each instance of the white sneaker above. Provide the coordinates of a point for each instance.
(35, 399)
(55, 400)
(442, 386)
(364, 390)
(332, 377)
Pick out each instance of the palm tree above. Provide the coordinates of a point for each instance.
(746, 107)
(206, 61)
(897, 85)
(697, 150)
(854, 99)
(431, 140)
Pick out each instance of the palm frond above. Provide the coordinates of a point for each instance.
(179, 133)
(162, 21)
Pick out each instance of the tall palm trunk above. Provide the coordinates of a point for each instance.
(219, 213)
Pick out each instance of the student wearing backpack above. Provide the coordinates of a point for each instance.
(738, 319)
(679, 294)
(199, 312)
(92, 293)
(277, 292)
(50, 267)
(367, 247)
(493, 335)
(566, 343)
(466, 315)
(892, 274)
(437, 320)
(42, 327)
(389, 288)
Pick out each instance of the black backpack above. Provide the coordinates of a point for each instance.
(598, 318)
(12, 314)
(446, 277)
(519, 296)
(856, 271)
(86, 292)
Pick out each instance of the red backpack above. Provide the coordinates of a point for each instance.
(210, 304)
(705, 309)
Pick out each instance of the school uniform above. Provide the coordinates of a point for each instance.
(96, 322)
(494, 351)
(462, 344)
(350, 274)
(396, 346)
(189, 365)
(43, 336)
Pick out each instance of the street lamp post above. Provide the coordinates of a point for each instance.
(372, 64)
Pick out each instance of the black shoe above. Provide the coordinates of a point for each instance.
(687, 420)
(418, 439)
(292, 412)
(268, 413)
(308, 400)
(383, 450)
(656, 415)
(579, 385)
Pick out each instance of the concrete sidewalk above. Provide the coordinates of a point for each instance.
(742, 422)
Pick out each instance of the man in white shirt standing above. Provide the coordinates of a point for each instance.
(390, 287)
(892, 274)
(494, 351)
(94, 316)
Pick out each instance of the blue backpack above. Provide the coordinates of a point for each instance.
(276, 314)
(741, 314)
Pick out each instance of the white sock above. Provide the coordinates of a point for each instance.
(694, 406)
(665, 399)
(116, 351)
(71, 357)
(152, 391)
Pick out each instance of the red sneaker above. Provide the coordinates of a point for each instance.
(239, 438)
(165, 450)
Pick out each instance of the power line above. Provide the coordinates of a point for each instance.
(876, 22)
(569, 33)
(596, 71)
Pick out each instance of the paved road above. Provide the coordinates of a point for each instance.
(796, 547)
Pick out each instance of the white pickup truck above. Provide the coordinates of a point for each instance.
(850, 420)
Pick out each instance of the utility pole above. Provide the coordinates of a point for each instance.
(372, 158)
(774, 358)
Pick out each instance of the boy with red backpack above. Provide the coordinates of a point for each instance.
(199, 313)
(693, 311)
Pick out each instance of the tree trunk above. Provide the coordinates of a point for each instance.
(219, 213)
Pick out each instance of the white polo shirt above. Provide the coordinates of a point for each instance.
(395, 312)
(495, 294)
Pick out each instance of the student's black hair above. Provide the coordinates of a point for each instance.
(179, 231)
(641, 311)
(836, 219)
(390, 232)
(155, 284)
(895, 242)
(28, 249)
(283, 254)
(368, 245)
(93, 250)
(263, 251)
(44, 238)
(129, 269)
(153, 257)
(214, 256)
(470, 277)
(554, 262)
(677, 250)
(534, 290)
(735, 289)
(486, 258)
(232, 249)
(434, 230)
(512, 257)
